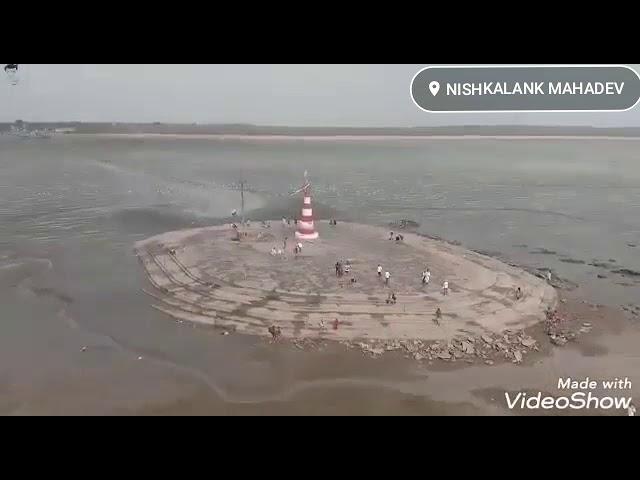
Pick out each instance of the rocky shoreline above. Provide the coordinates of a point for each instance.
(560, 327)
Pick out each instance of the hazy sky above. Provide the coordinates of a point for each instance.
(341, 95)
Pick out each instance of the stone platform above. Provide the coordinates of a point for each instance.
(208, 276)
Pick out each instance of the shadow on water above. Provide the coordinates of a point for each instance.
(156, 219)
(163, 218)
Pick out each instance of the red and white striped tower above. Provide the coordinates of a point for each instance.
(306, 229)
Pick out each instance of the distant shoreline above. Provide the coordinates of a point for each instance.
(324, 138)
(284, 132)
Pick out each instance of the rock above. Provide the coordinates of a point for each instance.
(584, 329)
(225, 333)
(458, 354)
(627, 271)
(468, 360)
(418, 357)
(444, 356)
(487, 339)
(559, 341)
(601, 276)
(139, 358)
(84, 349)
(528, 342)
(518, 356)
(468, 348)
(376, 351)
(488, 362)
(586, 324)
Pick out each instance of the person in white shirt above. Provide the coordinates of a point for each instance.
(428, 276)
(445, 288)
(387, 276)
(379, 271)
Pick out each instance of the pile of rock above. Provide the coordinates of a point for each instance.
(555, 328)
(559, 328)
(510, 345)
(373, 350)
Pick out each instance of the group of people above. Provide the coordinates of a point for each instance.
(426, 278)
(333, 222)
(297, 249)
(387, 275)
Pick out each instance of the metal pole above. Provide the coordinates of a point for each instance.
(242, 198)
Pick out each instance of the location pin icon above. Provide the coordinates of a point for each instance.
(434, 87)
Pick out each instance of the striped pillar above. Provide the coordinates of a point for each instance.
(306, 229)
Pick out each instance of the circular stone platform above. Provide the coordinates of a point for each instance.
(206, 275)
